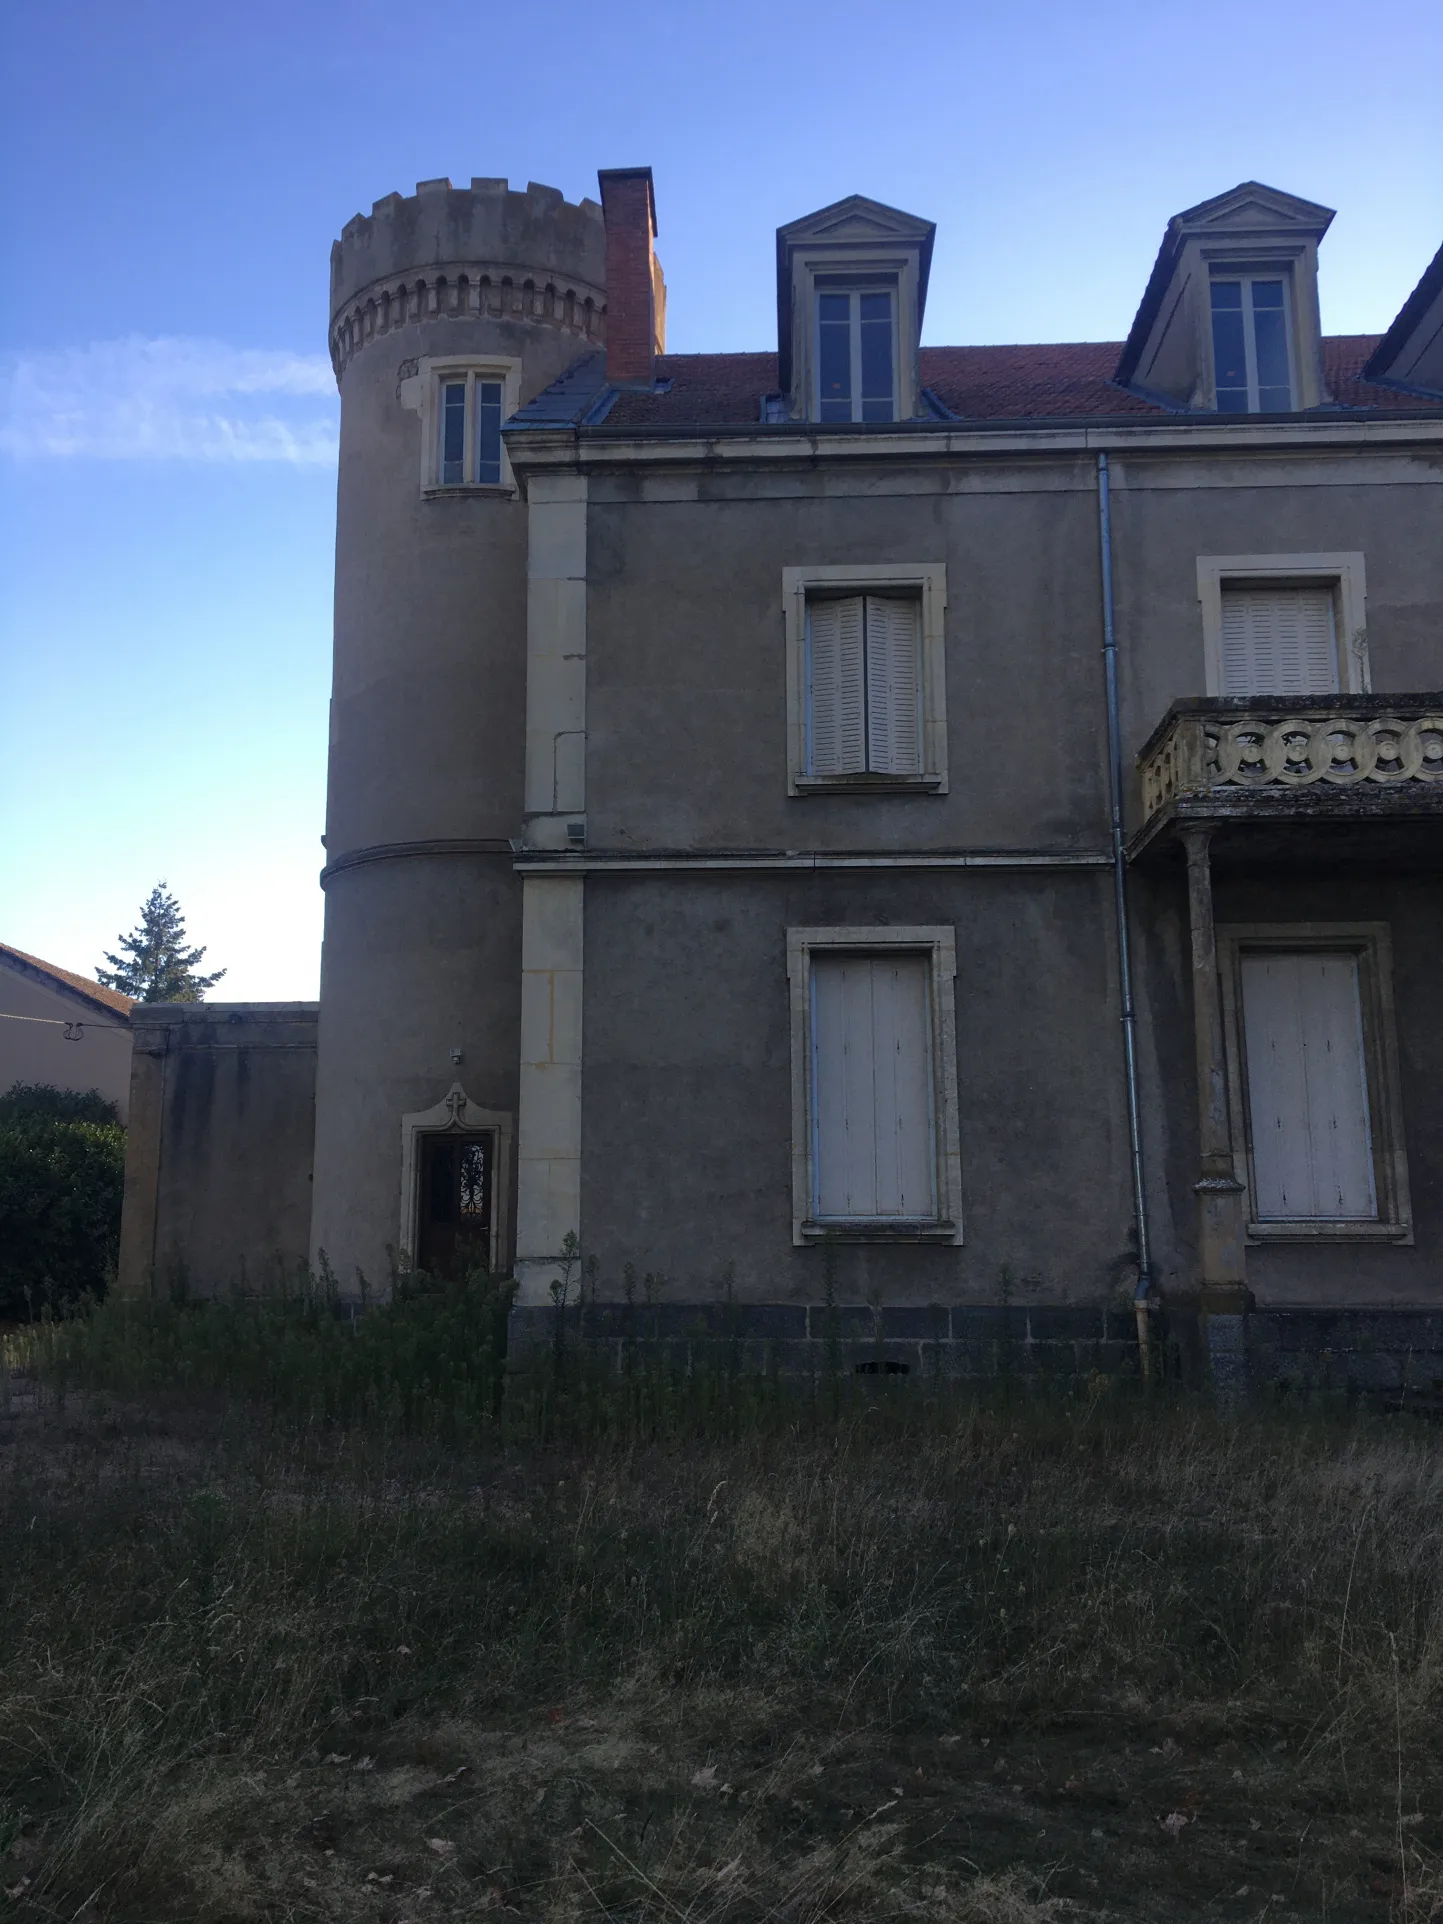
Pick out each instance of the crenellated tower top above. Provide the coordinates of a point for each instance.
(482, 249)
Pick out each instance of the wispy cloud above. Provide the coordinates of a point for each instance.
(172, 398)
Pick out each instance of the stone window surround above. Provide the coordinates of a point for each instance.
(1342, 572)
(1371, 942)
(420, 393)
(928, 580)
(939, 944)
(456, 1114)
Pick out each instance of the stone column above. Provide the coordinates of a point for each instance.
(548, 1157)
(1224, 1297)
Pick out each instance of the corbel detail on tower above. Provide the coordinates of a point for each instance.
(460, 293)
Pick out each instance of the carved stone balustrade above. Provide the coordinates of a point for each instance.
(1345, 757)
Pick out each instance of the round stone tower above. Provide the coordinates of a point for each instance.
(444, 307)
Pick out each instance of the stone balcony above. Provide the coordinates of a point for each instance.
(1327, 763)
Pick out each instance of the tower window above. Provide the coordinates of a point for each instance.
(857, 354)
(1252, 364)
(469, 440)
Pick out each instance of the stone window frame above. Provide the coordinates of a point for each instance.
(419, 390)
(1372, 944)
(928, 581)
(456, 1114)
(1341, 572)
(938, 942)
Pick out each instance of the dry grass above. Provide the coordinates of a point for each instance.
(1001, 1665)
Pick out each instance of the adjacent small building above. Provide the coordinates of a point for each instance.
(62, 1029)
(945, 837)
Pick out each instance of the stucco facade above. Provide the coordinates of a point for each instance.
(587, 868)
(63, 1030)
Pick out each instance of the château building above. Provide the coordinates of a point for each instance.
(948, 833)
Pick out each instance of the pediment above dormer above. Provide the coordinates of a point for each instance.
(856, 218)
(873, 245)
(1252, 204)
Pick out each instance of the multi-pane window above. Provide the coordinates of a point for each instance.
(863, 685)
(856, 354)
(1278, 641)
(871, 1081)
(1251, 362)
(1307, 1081)
(469, 437)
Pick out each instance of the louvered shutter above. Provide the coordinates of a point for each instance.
(836, 700)
(1307, 1087)
(872, 1088)
(894, 717)
(1278, 641)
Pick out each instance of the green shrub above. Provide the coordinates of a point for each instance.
(62, 1162)
(428, 1362)
(43, 1102)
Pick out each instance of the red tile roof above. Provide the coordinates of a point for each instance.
(110, 999)
(1068, 381)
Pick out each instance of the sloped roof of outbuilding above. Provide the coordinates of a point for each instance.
(111, 1000)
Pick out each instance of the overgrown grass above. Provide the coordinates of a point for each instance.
(998, 1660)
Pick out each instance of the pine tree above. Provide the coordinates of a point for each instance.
(156, 966)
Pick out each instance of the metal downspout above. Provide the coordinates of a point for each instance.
(1142, 1296)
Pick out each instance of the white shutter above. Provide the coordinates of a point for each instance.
(1307, 1087)
(836, 702)
(894, 709)
(1278, 641)
(872, 1087)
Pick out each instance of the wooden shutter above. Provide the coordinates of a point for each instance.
(894, 710)
(872, 1087)
(836, 700)
(1307, 1087)
(1278, 641)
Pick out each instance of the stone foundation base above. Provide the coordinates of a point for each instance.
(1343, 1350)
(811, 1340)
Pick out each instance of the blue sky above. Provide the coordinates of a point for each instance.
(174, 176)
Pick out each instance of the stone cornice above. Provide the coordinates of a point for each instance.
(537, 450)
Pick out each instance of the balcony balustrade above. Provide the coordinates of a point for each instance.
(1272, 759)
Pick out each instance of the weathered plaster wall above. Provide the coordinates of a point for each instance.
(685, 626)
(686, 1130)
(685, 1092)
(36, 1049)
(422, 957)
(686, 656)
(1167, 512)
(218, 1154)
(428, 714)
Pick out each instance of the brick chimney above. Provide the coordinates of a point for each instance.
(635, 290)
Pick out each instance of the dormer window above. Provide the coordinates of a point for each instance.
(856, 352)
(1229, 322)
(1251, 359)
(851, 290)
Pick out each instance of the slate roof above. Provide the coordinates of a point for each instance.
(110, 999)
(1070, 381)
(1410, 315)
